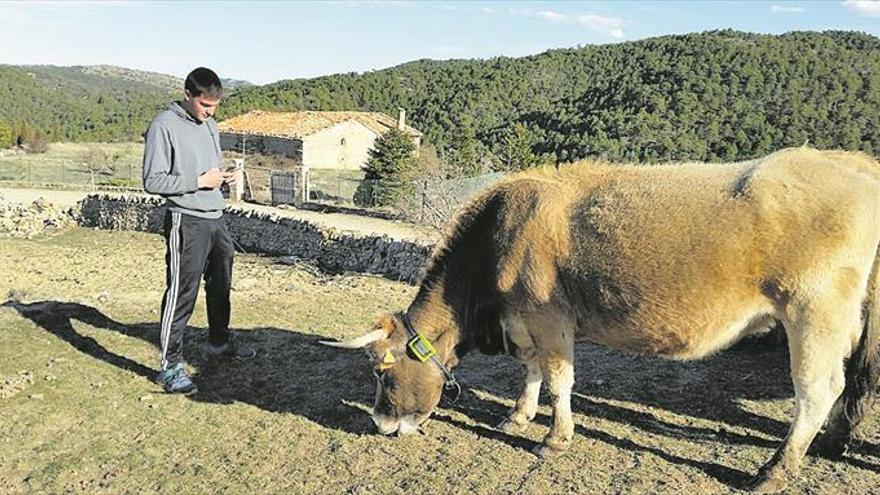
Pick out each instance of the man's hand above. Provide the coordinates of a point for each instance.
(230, 177)
(212, 179)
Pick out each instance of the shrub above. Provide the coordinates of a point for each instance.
(37, 145)
(5, 135)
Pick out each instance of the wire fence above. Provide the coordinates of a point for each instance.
(70, 172)
(344, 188)
(326, 185)
(334, 186)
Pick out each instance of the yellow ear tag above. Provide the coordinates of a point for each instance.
(387, 361)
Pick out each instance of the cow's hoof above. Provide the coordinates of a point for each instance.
(554, 449)
(511, 427)
(763, 483)
(830, 448)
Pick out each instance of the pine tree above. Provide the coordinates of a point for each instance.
(463, 154)
(387, 171)
(516, 149)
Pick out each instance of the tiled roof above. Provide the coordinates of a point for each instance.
(301, 124)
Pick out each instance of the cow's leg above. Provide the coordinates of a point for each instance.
(819, 338)
(558, 371)
(851, 406)
(527, 404)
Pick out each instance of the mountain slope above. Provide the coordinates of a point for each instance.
(96, 103)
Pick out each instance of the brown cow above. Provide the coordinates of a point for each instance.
(676, 260)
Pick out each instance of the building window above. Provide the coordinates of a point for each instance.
(342, 142)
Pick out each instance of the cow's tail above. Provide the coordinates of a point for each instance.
(862, 374)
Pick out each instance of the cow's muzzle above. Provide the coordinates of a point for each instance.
(404, 425)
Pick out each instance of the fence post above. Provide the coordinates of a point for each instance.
(424, 200)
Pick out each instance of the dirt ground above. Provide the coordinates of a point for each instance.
(60, 198)
(79, 412)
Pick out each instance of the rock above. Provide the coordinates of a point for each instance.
(27, 221)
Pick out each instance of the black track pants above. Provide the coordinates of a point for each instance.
(195, 247)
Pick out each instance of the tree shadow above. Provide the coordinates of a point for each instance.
(292, 373)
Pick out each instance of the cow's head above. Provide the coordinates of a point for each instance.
(407, 389)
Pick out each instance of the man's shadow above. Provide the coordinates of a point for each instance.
(292, 373)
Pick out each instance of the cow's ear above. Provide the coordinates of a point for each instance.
(386, 322)
(452, 362)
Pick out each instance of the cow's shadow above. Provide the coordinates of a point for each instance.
(294, 374)
(611, 385)
(614, 386)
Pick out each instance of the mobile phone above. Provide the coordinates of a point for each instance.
(234, 167)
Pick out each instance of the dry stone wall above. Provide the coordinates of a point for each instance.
(257, 232)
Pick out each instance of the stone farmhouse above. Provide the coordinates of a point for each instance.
(313, 140)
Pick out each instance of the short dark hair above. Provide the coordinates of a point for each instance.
(204, 81)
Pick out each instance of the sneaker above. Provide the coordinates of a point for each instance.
(176, 380)
(233, 349)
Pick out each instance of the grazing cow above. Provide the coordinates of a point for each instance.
(675, 260)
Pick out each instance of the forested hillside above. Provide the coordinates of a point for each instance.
(721, 95)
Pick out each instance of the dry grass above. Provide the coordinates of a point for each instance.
(81, 415)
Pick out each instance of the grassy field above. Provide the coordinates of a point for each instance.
(68, 163)
(80, 413)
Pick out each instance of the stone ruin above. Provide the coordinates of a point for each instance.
(26, 221)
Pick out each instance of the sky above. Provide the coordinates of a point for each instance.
(263, 42)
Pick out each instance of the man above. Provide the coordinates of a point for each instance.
(182, 161)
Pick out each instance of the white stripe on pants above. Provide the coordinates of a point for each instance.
(174, 246)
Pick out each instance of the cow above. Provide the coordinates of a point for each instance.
(678, 260)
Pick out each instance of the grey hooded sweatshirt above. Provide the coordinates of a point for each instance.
(177, 150)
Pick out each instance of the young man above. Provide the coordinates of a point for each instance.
(182, 161)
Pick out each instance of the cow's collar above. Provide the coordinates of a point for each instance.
(450, 383)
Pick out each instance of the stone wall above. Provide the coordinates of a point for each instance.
(257, 232)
